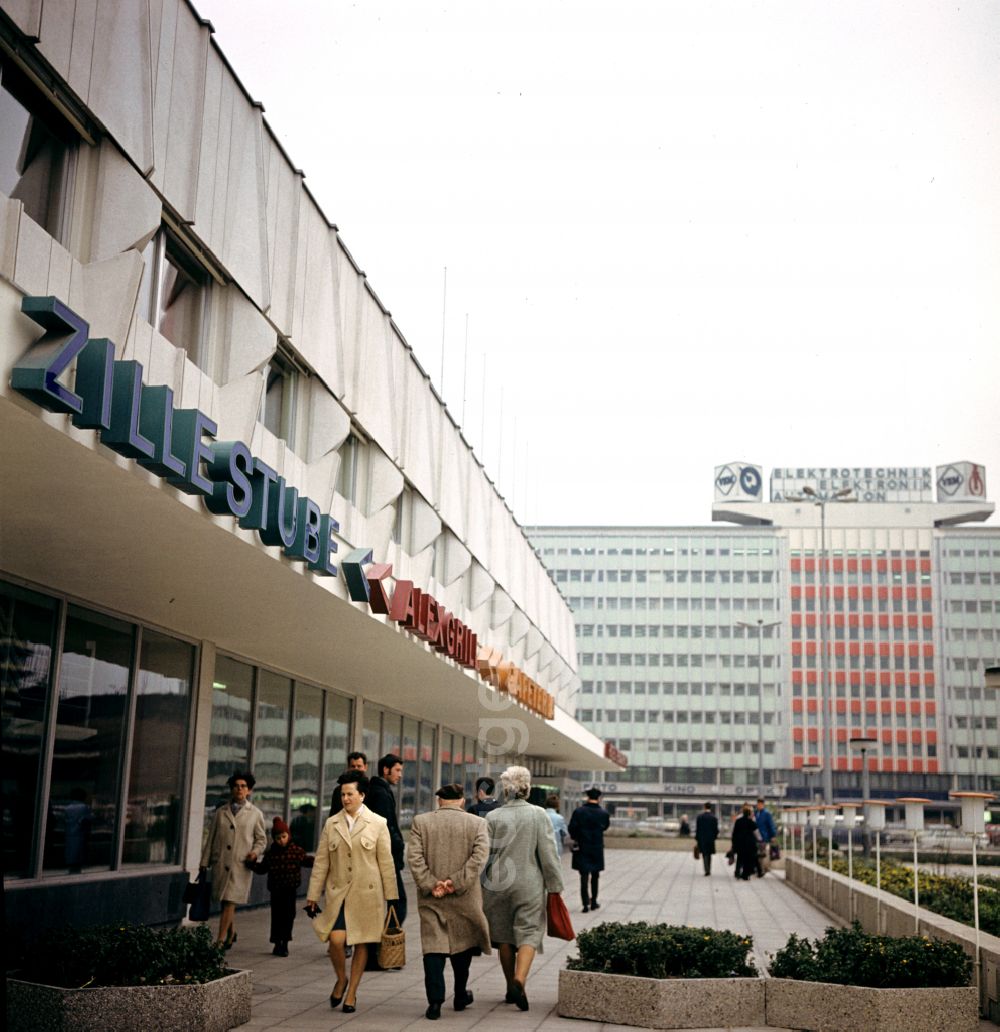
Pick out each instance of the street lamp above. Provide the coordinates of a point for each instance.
(759, 626)
(861, 744)
(843, 495)
(811, 770)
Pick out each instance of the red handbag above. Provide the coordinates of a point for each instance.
(557, 921)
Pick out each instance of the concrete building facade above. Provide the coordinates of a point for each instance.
(702, 648)
(238, 525)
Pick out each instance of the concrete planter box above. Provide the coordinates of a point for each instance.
(211, 1007)
(823, 1007)
(661, 1002)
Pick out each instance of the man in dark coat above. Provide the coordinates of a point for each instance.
(706, 831)
(484, 797)
(745, 844)
(355, 761)
(586, 828)
(382, 800)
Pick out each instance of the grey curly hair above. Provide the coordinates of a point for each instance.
(516, 782)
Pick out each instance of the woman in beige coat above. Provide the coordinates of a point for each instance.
(447, 851)
(354, 866)
(236, 837)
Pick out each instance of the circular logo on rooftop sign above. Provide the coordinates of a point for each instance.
(750, 480)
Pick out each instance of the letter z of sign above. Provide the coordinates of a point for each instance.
(37, 375)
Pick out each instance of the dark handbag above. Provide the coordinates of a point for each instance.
(697, 853)
(730, 857)
(557, 922)
(775, 851)
(200, 901)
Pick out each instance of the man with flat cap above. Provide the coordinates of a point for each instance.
(586, 828)
(447, 852)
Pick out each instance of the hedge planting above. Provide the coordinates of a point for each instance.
(118, 955)
(949, 896)
(663, 951)
(849, 956)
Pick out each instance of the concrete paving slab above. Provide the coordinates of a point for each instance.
(291, 993)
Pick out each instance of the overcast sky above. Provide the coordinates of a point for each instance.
(683, 233)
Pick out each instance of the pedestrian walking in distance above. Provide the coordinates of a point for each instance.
(745, 844)
(586, 828)
(446, 853)
(706, 831)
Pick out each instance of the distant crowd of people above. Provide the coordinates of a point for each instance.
(753, 839)
(482, 873)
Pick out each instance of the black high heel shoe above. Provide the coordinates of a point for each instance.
(350, 1008)
(230, 940)
(334, 999)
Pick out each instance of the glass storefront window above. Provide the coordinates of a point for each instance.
(391, 739)
(270, 754)
(307, 724)
(470, 772)
(447, 776)
(335, 748)
(229, 744)
(371, 736)
(425, 770)
(159, 749)
(408, 795)
(27, 634)
(89, 741)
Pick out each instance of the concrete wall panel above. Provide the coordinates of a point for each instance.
(385, 482)
(26, 15)
(249, 339)
(126, 211)
(284, 190)
(31, 263)
(328, 424)
(56, 36)
(181, 99)
(317, 335)
(244, 250)
(121, 82)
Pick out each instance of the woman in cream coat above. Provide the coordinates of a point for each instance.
(354, 865)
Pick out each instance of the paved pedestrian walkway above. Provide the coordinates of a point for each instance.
(291, 994)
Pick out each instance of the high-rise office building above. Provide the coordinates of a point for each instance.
(853, 603)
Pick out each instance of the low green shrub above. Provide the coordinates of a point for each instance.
(949, 896)
(849, 956)
(123, 955)
(663, 951)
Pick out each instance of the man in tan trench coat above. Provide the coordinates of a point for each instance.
(446, 853)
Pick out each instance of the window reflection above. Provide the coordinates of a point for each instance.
(156, 779)
(89, 739)
(306, 734)
(229, 743)
(425, 774)
(408, 796)
(335, 739)
(27, 630)
(274, 695)
(36, 151)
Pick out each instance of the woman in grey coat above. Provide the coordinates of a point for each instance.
(521, 869)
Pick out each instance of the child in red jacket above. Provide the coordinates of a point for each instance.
(282, 862)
